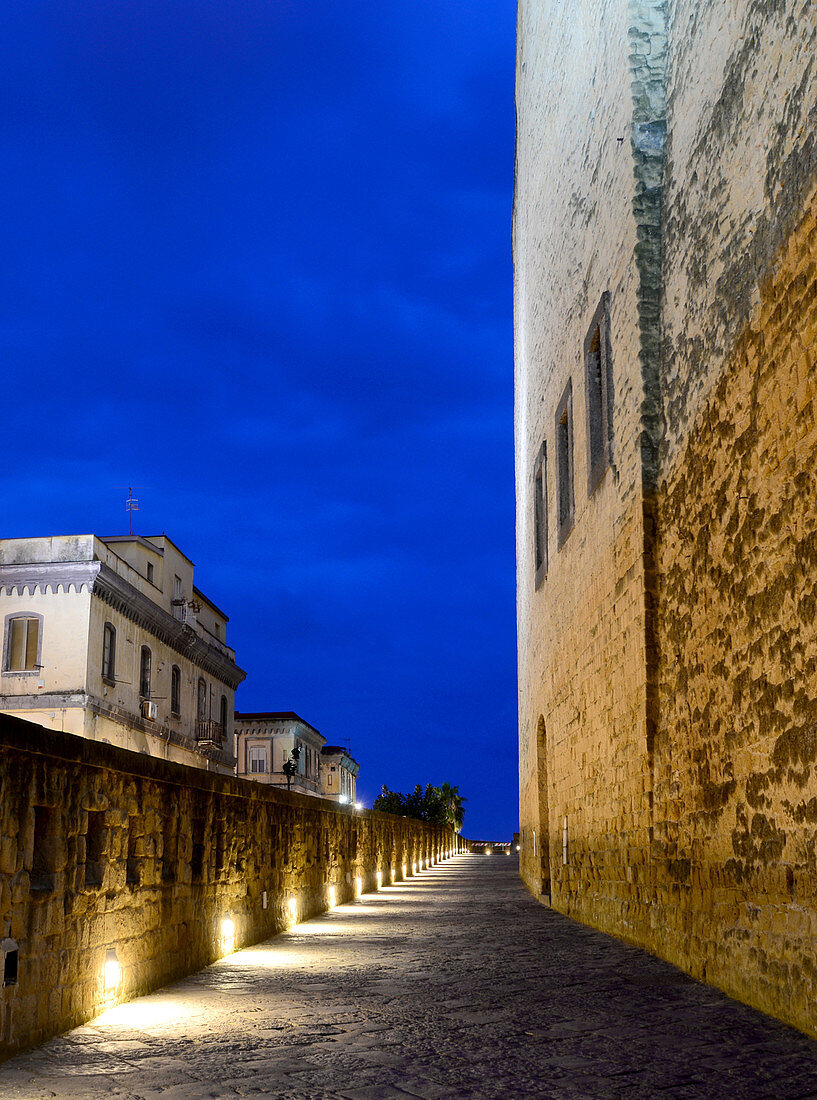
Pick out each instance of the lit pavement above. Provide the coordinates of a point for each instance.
(454, 984)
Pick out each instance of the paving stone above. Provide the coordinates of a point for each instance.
(457, 985)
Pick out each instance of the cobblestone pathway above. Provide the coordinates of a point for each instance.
(454, 984)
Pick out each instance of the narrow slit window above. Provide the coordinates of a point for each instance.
(95, 839)
(599, 391)
(540, 516)
(109, 653)
(176, 690)
(564, 463)
(144, 673)
(10, 960)
(169, 848)
(133, 865)
(43, 859)
(197, 849)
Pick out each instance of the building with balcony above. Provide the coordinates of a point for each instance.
(338, 774)
(265, 741)
(109, 639)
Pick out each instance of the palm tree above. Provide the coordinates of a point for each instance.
(453, 803)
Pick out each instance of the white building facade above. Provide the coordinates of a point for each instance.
(264, 742)
(338, 774)
(109, 639)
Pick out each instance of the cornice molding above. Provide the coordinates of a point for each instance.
(101, 581)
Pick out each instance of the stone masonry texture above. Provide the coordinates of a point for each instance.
(668, 661)
(104, 849)
(456, 983)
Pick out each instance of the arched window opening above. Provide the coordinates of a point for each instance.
(176, 690)
(144, 673)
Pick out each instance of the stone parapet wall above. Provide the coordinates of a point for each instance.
(105, 850)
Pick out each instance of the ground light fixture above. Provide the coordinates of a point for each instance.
(358, 805)
(112, 971)
(227, 935)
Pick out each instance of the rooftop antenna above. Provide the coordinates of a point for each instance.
(131, 506)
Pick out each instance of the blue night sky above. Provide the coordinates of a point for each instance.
(257, 262)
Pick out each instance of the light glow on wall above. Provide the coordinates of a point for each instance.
(112, 971)
(379, 879)
(333, 897)
(227, 935)
(358, 886)
(293, 910)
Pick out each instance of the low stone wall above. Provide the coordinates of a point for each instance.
(120, 872)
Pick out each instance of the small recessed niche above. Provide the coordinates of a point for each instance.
(10, 961)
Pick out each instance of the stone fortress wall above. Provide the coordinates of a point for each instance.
(668, 709)
(104, 850)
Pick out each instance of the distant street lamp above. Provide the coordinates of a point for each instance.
(291, 765)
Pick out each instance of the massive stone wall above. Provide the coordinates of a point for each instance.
(736, 751)
(582, 229)
(103, 849)
(733, 863)
(668, 659)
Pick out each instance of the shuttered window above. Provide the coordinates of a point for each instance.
(22, 644)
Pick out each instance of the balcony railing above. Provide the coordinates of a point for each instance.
(208, 730)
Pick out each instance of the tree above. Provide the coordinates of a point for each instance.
(436, 805)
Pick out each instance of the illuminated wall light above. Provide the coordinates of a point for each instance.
(293, 909)
(112, 971)
(404, 870)
(414, 868)
(487, 851)
(379, 879)
(358, 805)
(358, 886)
(333, 897)
(227, 936)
